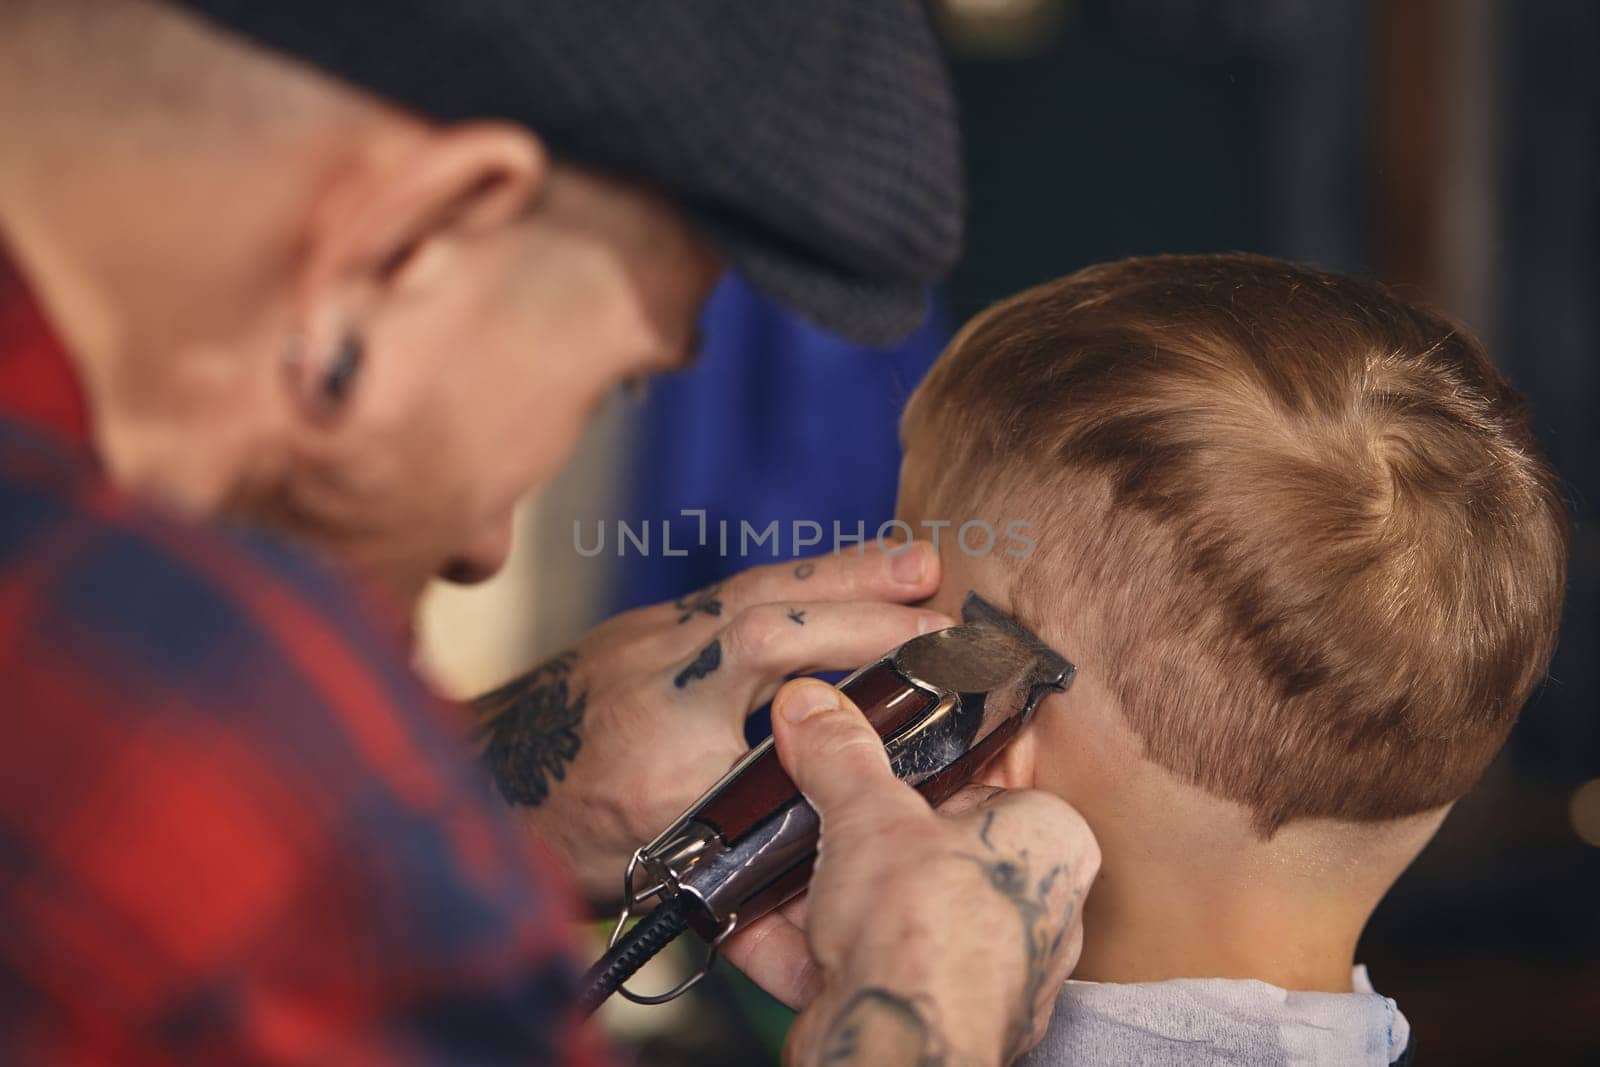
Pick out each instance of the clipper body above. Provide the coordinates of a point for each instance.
(945, 704)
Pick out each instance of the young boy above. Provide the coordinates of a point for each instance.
(1298, 538)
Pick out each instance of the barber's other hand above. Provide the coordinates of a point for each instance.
(933, 938)
(601, 747)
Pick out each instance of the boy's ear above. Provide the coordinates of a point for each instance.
(1015, 766)
(393, 221)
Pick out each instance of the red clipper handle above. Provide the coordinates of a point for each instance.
(887, 700)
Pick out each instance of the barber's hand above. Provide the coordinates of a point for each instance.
(933, 937)
(601, 747)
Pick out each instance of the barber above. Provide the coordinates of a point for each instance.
(358, 277)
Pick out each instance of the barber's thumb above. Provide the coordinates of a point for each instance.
(826, 744)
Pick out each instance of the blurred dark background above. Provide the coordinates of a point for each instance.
(1452, 148)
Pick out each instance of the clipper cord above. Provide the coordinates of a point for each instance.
(636, 948)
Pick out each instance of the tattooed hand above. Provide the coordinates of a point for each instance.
(599, 748)
(930, 937)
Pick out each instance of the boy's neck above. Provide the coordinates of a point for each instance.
(1189, 889)
(1147, 926)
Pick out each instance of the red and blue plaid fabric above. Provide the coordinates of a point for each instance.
(234, 826)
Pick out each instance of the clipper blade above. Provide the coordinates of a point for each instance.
(1048, 662)
(989, 652)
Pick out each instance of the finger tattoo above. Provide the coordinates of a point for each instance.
(1042, 936)
(707, 601)
(709, 659)
(805, 570)
(797, 616)
(877, 1025)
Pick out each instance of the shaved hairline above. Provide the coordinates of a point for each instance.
(146, 67)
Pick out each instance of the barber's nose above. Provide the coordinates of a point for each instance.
(483, 558)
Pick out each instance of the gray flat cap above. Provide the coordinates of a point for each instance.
(813, 141)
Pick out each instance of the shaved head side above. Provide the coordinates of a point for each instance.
(1296, 525)
(148, 72)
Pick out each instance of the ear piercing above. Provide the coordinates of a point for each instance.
(340, 376)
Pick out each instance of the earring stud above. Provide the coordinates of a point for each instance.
(339, 378)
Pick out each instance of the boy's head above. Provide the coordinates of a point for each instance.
(1294, 529)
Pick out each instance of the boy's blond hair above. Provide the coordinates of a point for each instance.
(1297, 525)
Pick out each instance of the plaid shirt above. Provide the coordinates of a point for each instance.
(234, 826)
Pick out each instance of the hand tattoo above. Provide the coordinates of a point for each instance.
(529, 728)
(709, 659)
(877, 1026)
(797, 616)
(706, 601)
(805, 570)
(1042, 932)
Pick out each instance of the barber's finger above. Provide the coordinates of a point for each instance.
(901, 574)
(969, 798)
(834, 756)
(742, 665)
(797, 909)
(772, 951)
(1031, 818)
(764, 644)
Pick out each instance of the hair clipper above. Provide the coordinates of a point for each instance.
(944, 703)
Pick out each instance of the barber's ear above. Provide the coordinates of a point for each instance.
(1015, 767)
(393, 222)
